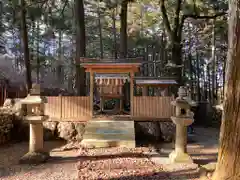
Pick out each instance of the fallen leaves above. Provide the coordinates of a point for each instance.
(118, 163)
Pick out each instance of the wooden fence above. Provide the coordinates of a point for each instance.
(152, 107)
(68, 108)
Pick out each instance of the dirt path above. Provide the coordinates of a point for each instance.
(54, 169)
(114, 163)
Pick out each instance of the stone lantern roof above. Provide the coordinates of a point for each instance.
(34, 96)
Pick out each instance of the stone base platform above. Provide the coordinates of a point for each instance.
(108, 133)
(34, 158)
(180, 157)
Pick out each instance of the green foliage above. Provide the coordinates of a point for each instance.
(147, 34)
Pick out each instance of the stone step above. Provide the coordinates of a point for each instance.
(107, 136)
(96, 143)
(110, 124)
(107, 133)
(109, 130)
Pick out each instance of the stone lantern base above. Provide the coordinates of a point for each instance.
(177, 157)
(180, 155)
(34, 158)
(36, 154)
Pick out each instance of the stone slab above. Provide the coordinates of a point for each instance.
(34, 158)
(157, 158)
(176, 157)
(110, 124)
(107, 133)
(109, 136)
(96, 143)
(163, 159)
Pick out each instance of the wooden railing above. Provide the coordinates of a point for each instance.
(68, 108)
(77, 108)
(147, 107)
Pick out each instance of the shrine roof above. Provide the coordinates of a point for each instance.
(155, 81)
(111, 65)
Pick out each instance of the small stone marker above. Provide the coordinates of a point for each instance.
(183, 118)
(33, 112)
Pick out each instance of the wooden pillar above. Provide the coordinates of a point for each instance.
(131, 92)
(144, 91)
(91, 91)
(120, 87)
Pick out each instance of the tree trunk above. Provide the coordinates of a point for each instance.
(214, 75)
(190, 68)
(80, 47)
(123, 29)
(24, 33)
(73, 50)
(2, 46)
(224, 74)
(115, 53)
(198, 78)
(162, 55)
(209, 84)
(100, 31)
(229, 151)
(177, 59)
(38, 49)
(32, 42)
(60, 69)
(217, 97)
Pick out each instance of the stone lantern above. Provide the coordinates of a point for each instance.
(33, 112)
(182, 119)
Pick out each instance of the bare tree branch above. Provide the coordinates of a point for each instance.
(64, 6)
(204, 17)
(177, 17)
(36, 2)
(195, 16)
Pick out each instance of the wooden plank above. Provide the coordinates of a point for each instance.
(91, 91)
(65, 108)
(152, 107)
(78, 108)
(53, 106)
(79, 119)
(113, 70)
(145, 119)
(87, 118)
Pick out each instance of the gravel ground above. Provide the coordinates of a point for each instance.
(61, 167)
(118, 163)
(68, 163)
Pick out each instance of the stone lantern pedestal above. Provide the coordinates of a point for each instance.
(182, 119)
(33, 112)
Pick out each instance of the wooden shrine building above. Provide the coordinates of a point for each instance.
(111, 79)
(111, 76)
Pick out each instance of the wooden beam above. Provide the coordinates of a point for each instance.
(131, 91)
(152, 119)
(112, 70)
(118, 118)
(91, 91)
(155, 85)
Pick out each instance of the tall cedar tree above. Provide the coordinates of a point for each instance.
(24, 35)
(80, 46)
(228, 165)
